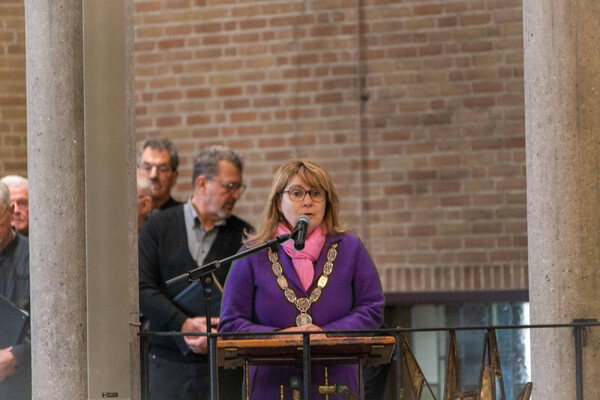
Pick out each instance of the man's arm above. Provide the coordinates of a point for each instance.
(154, 304)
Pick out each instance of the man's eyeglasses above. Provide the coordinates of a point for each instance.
(297, 193)
(231, 186)
(161, 169)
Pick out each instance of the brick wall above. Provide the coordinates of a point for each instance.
(13, 118)
(415, 107)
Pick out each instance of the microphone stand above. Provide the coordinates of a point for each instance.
(205, 275)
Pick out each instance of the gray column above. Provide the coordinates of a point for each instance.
(55, 158)
(111, 199)
(562, 110)
(83, 237)
(130, 143)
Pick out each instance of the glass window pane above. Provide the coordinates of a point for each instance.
(431, 348)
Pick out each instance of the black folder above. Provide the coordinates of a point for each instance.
(191, 301)
(13, 323)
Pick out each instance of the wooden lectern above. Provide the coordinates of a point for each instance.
(362, 351)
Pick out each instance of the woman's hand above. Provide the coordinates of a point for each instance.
(303, 328)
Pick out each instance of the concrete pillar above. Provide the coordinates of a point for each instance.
(562, 110)
(111, 199)
(132, 234)
(81, 168)
(55, 147)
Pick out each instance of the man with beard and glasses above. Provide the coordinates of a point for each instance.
(173, 242)
(159, 160)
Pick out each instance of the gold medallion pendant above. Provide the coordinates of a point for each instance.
(303, 304)
(303, 319)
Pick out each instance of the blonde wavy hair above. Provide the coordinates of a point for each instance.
(313, 175)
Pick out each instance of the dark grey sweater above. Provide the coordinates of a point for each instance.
(164, 254)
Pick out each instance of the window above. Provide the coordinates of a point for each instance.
(431, 348)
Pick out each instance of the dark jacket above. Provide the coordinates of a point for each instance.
(14, 285)
(164, 254)
(170, 203)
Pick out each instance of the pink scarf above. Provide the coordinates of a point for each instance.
(303, 260)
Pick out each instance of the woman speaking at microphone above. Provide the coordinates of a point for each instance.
(331, 283)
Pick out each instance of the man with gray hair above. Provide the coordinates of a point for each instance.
(159, 160)
(172, 243)
(19, 196)
(15, 360)
(144, 198)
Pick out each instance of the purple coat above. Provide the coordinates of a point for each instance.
(352, 299)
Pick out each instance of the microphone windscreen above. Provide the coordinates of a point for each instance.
(303, 218)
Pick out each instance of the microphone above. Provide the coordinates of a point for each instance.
(302, 223)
